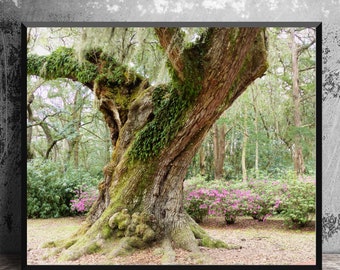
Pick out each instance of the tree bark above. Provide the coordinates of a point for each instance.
(141, 197)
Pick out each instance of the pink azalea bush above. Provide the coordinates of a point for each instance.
(229, 204)
(259, 199)
(84, 199)
(196, 204)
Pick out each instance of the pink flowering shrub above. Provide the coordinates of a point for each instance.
(265, 201)
(259, 207)
(224, 203)
(196, 204)
(260, 199)
(228, 204)
(84, 199)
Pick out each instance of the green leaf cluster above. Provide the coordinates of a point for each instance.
(50, 189)
(299, 204)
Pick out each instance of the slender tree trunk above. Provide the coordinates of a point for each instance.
(76, 118)
(202, 159)
(299, 165)
(73, 149)
(219, 149)
(244, 148)
(49, 138)
(156, 136)
(30, 118)
(256, 134)
(76, 153)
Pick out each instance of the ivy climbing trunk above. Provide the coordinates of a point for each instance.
(155, 132)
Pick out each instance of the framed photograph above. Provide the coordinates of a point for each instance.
(173, 143)
(107, 123)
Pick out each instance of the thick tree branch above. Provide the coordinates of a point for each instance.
(62, 63)
(171, 40)
(114, 85)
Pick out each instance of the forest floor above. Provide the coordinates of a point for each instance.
(263, 243)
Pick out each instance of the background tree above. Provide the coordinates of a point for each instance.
(219, 149)
(296, 50)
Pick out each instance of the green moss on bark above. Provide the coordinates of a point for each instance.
(205, 240)
(106, 232)
(62, 63)
(171, 104)
(92, 248)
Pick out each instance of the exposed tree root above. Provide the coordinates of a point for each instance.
(123, 248)
(127, 233)
(169, 255)
(205, 240)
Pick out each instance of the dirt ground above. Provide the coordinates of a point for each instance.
(263, 243)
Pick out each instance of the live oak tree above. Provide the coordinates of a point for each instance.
(155, 132)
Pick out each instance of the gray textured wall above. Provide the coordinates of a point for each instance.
(12, 122)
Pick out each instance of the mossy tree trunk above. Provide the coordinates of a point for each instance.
(155, 131)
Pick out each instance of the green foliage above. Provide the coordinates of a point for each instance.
(34, 63)
(111, 74)
(50, 189)
(299, 204)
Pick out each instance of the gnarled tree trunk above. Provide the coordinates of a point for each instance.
(156, 131)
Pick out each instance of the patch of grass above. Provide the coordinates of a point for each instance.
(57, 228)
